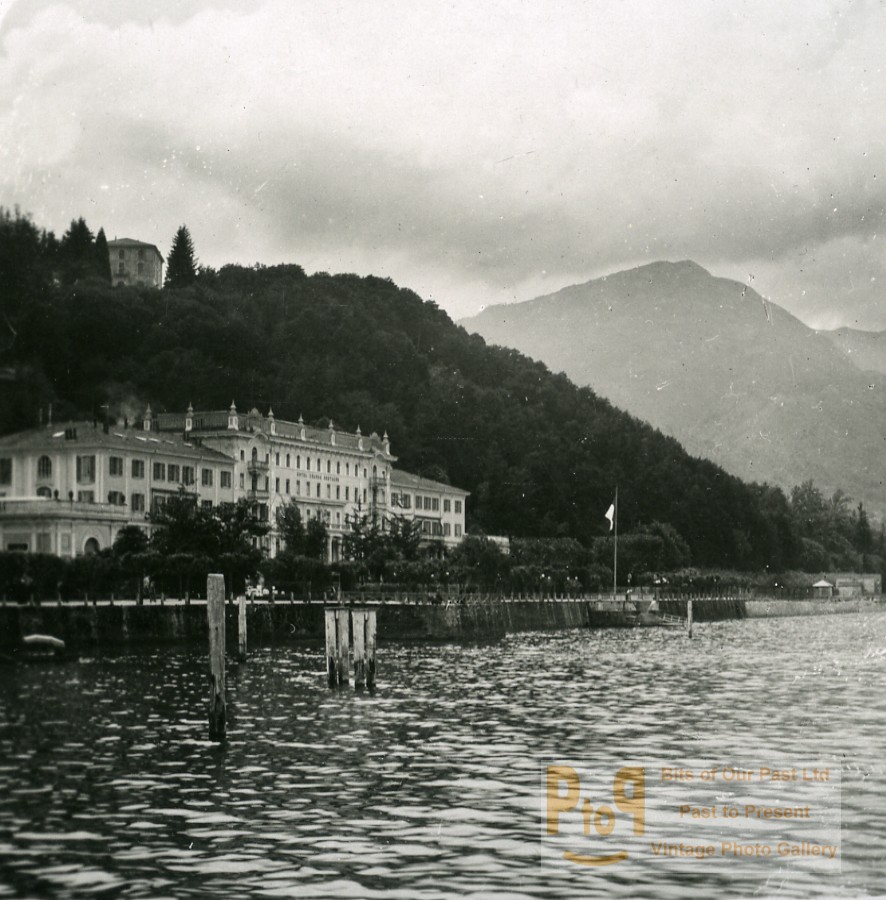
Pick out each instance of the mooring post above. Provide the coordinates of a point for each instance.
(369, 645)
(215, 611)
(331, 653)
(689, 615)
(342, 628)
(241, 629)
(358, 623)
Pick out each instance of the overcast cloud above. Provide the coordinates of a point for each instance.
(477, 153)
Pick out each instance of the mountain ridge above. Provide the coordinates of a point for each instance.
(732, 375)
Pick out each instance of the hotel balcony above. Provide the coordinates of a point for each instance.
(257, 467)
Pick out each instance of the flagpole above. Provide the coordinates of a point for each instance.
(615, 549)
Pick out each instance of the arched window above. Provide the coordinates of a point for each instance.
(44, 467)
(44, 492)
(91, 547)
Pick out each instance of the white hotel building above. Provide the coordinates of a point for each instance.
(69, 489)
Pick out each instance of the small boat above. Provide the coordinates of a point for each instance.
(40, 647)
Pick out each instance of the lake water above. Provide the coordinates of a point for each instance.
(431, 787)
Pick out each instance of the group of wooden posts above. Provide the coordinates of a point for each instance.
(344, 628)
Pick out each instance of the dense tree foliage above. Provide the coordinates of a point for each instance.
(540, 456)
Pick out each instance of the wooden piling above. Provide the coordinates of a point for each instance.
(358, 627)
(689, 616)
(369, 643)
(215, 611)
(241, 628)
(331, 647)
(342, 629)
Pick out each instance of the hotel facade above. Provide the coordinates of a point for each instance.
(69, 489)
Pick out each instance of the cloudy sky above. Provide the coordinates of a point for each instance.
(476, 152)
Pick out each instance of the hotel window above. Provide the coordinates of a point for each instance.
(141, 254)
(288, 466)
(242, 455)
(318, 463)
(406, 499)
(138, 468)
(85, 496)
(116, 465)
(267, 482)
(446, 529)
(5, 470)
(446, 505)
(328, 466)
(308, 463)
(116, 498)
(347, 468)
(44, 467)
(328, 491)
(206, 477)
(364, 473)
(86, 469)
(427, 503)
(225, 479)
(121, 254)
(337, 492)
(187, 474)
(458, 506)
(277, 485)
(44, 543)
(287, 485)
(347, 493)
(242, 481)
(159, 471)
(418, 501)
(338, 468)
(138, 503)
(435, 504)
(298, 487)
(364, 495)
(173, 473)
(298, 462)
(276, 459)
(458, 530)
(318, 491)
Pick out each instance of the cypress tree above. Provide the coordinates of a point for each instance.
(181, 266)
(102, 257)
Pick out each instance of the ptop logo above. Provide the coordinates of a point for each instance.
(593, 820)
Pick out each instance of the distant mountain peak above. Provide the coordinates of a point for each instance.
(664, 267)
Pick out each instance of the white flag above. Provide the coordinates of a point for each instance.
(610, 514)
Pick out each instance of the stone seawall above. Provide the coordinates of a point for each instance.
(109, 626)
(127, 624)
(771, 608)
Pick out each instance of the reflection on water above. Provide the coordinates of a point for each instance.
(430, 787)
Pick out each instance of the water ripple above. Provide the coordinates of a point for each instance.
(429, 788)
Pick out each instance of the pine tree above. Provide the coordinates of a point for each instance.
(181, 266)
(76, 252)
(102, 257)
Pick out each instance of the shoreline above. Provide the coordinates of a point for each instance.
(125, 622)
